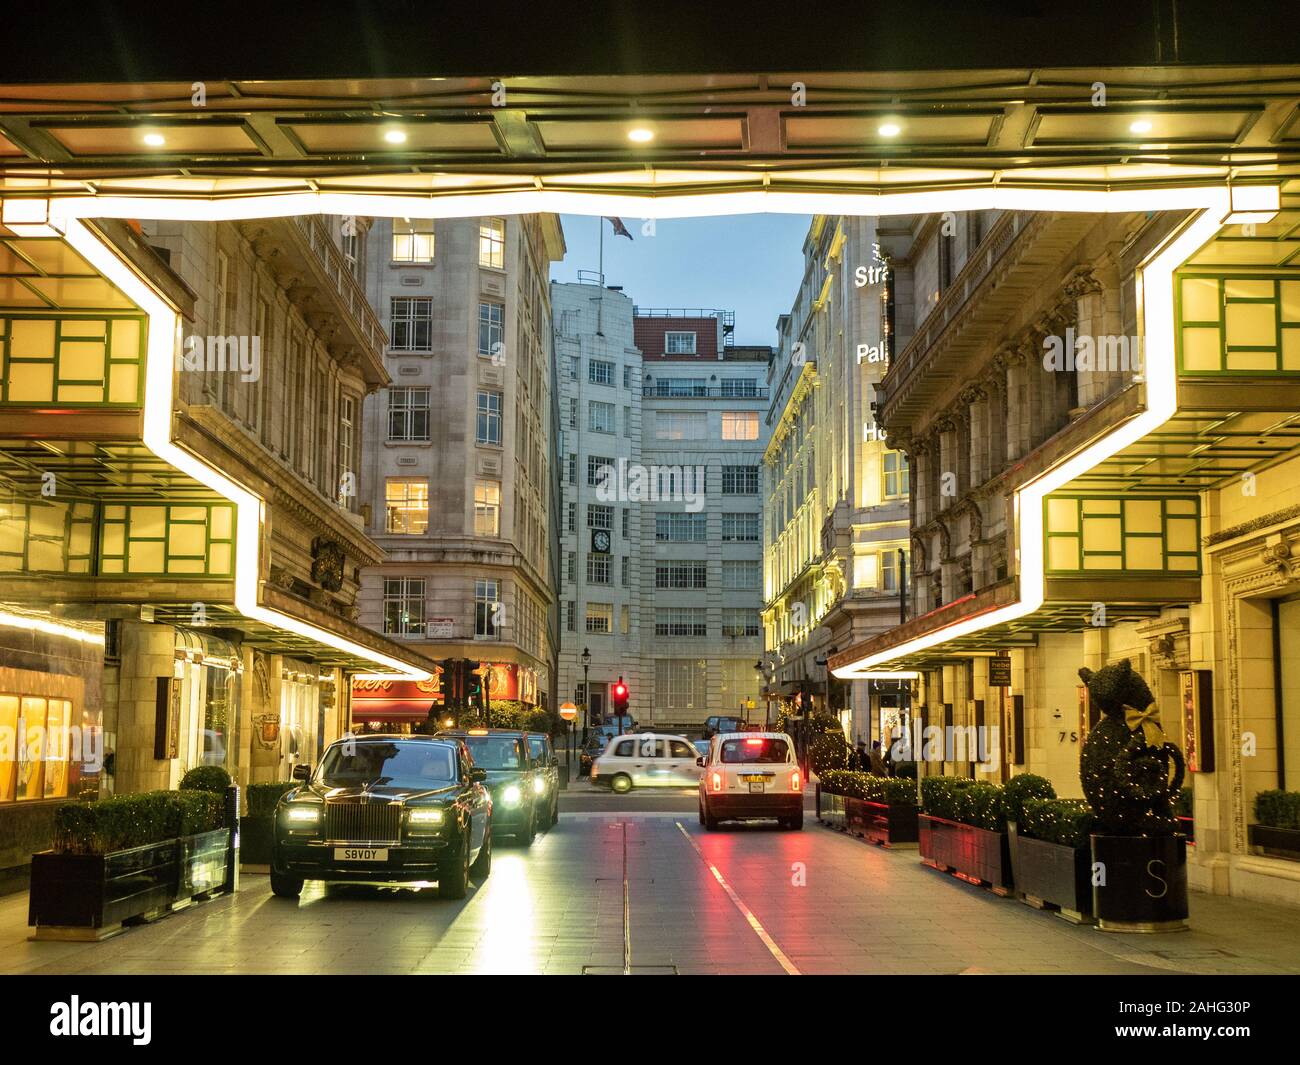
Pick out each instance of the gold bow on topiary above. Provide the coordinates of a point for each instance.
(1148, 721)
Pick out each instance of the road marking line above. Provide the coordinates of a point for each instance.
(627, 913)
(745, 911)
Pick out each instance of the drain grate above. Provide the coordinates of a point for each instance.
(1195, 954)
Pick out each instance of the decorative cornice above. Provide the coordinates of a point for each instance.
(1264, 521)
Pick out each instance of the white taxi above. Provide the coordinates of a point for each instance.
(749, 776)
(646, 760)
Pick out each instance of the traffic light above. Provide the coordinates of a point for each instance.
(453, 686)
(620, 696)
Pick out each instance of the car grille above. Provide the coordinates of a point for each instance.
(363, 822)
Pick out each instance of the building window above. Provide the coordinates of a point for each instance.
(740, 425)
(739, 622)
(487, 608)
(412, 240)
(572, 366)
(739, 388)
(681, 425)
(741, 573)
(571, 566)
(570, 616)
(624, 619)
(570, 516)
(488, 429)
(889, 569)
(573, 413)
(404, 606)
(740, 528)
(491, 327)
(600, 417)
(600, 372)
(487, 508)
(681, 683)
(679, 343)
(599, 516)
(600, 617)
(739, 480)
(896, 474)
(406, 506)
(626, 516)
(599, 468)
(682, 574)
(347, 492)
(681, 621)
(408, 414)
(681, 387)
(598, 569)
(571, 469)
(625, 566)
(411, 323)
(627, 376)
(492, 243)
(675, 527)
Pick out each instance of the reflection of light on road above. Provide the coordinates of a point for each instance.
(503, 906)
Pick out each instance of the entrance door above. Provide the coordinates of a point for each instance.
(1286, 619)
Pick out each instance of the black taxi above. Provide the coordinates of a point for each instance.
(503, 754)
(385, 809)
(546, 777)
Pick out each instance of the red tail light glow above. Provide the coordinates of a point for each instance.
(716, 782)
(794, 781)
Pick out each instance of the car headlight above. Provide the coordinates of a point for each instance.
(539, 785)
(302, 814)
(511, 795)
(425, 818)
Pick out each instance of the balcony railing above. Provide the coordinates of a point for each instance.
(657, 391)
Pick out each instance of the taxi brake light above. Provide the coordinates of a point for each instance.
(717, 781)
(794, 781)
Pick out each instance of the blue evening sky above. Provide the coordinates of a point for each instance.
(750, 264)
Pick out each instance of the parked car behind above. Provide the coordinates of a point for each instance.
(546, 777)
(646, 760)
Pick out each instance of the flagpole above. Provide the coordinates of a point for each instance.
(600, 305)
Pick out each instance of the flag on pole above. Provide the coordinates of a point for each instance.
(620, 230)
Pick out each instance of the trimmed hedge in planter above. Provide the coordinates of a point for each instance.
(1277, 829)
(127, 857)
(1053, 863)
(879, 809)
(963, 830)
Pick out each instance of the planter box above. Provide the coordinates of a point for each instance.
(830, 809)
(1275, 842)
(90, 896)
(973, 853)
(1146, 883)
(882, 823)
(1048, 874)
(100, 891)
(256, 835)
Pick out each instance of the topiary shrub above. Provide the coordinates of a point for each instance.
(1066, 822)
(828, 751)
(1278, 809)
(983, 807)
(263, 797)
(1018, 790)
(206, 778)
(1183, 804)
(940, 796)
(856, 784)
(1130, 774)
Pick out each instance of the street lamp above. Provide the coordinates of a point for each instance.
(586, 693)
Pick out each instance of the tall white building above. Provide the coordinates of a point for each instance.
(661, 441)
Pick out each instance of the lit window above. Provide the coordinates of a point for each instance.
(487, 508)
(412, 240)
(740, 425)
(492, 243)
(600, 617)
(894, 465)
(406, 506)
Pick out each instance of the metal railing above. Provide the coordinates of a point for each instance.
(334, 265)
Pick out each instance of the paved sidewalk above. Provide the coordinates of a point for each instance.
(745, 900)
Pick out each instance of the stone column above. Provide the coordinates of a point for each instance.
(148, 652)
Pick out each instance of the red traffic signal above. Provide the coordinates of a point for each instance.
(620, 697)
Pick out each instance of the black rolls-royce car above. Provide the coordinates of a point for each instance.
(503, 753)
(385, 809)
